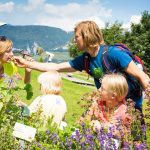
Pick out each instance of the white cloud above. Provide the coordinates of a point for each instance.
(67, 23)
(33, 5)
(76, 9)
(134, 19)
(126, 26)
(42, 12)
(7, 7)
(66, 16)
(1, 23)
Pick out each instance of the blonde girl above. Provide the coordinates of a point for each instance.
(5, 52)
(51, 103)
(111, 105)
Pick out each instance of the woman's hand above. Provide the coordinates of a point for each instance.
(20, 62)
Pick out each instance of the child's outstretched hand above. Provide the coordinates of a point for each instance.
(20, 103)
(127, 120)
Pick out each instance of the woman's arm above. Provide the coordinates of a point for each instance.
(61, 67)
(134, 71)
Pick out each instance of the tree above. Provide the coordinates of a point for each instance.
(73, 50)
(39, 50)
(139, 38)
(113, 33)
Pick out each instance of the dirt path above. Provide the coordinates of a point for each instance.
(75, 80)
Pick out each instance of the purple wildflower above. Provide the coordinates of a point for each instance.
(39, 145)
(126, 146)
(143, 128)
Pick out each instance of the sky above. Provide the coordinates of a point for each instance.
(65, 14)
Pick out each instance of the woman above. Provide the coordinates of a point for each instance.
(6, 55)
(89, 39)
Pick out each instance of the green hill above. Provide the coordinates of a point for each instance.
(46, 37)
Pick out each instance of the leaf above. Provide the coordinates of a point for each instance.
(97, 72)
(29, 95)
(10, 68)
(28, 88)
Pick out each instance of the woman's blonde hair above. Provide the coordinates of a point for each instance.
(5, 44)
(50, 82)
(91, 34)
(115, 83)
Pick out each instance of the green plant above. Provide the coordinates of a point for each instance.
(49, 136)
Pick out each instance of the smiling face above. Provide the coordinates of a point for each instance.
(6, 56)
(5, 50)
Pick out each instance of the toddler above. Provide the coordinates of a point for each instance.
(51, 103)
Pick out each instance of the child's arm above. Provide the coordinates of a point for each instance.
(27, 77)
(35, 105)
(21, 103)
(127, 120)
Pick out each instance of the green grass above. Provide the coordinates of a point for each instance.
(72, 93)
(34, 83)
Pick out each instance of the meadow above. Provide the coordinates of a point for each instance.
(73, 94)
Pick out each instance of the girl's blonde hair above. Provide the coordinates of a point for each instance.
(91, 34)
(5, 45)
(115, 83)
(50, 82)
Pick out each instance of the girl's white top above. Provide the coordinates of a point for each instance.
(51, 105)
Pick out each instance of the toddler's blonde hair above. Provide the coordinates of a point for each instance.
(91, 34)
(115, 83)
(5, 45)
(50, 82)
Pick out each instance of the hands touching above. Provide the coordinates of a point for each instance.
(20, 62)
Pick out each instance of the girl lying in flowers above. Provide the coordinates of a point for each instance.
(110, 109)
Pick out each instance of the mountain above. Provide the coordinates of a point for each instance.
(49, 38)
